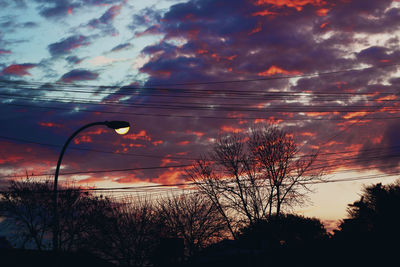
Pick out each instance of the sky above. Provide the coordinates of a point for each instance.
(185, 72)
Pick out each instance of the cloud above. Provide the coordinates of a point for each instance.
(18, 69)
(206, 41)
(73, 60)
(145, 18)
(121, 47)
(104, 23)
(102, 60)
(59, 9)
(4, 51)
(65, 46)
(79, 75)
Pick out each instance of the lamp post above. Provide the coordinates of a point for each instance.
(121, 127)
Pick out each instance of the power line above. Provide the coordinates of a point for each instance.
(195, 116)
(303, 109)
(200, 92)
(135, 188)
(371, 150)
(106, 171)
(240, 80)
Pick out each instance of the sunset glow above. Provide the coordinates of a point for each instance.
(188, 72)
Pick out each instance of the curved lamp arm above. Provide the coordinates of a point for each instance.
(117, 126)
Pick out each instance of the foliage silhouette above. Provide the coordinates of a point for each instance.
(191, 217)
(372, 227)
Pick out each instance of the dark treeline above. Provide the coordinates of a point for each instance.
(238, 215)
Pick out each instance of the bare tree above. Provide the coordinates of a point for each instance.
(287, 173)
(125, 232)
(192, 217)
(247, 175)
(26, 208)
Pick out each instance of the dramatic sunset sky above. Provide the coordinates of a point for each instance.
(184, 72)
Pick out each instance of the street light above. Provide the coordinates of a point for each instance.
(121, 127)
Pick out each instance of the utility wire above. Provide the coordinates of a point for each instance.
(242, 80)
(107, 171)
(210, 107)
(195, 116)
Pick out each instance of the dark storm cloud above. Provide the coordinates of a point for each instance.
(79, 75)
(217, 40)
(386, 151)
(375, 55)
(364, 17)
(66, 45)
(239, 40)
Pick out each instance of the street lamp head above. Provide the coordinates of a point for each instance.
(121, 127)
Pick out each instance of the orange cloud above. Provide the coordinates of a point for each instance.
(377, 140)
(10, 158)
(97, 131)
(316, 114)
(354, 148)
(297, 4)
(131, 178)
(201, 51)
(142, 135)
(167, 160)
(274, 120)
(171, 176)
(323, 25)
(158, 142)
(389, 110)
(354, 114)
(389, 97)
(331, 143)
(217, 57)
(258, 28)
(83, 139)
(264, 13)
(232, 129)
(343, 125)
(256, 121)
(276, 70)
(307, 134)
(322, 12)
(90, 180)
(183, 143)
(50, 124)
(198, 134)
(136, 145)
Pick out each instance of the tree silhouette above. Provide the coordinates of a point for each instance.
(27, 207)
(372, 226)
(191, 217)
(125, 232)
(248, 175)
(284, 230)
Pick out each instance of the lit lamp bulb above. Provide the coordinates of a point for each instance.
(123, 130)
